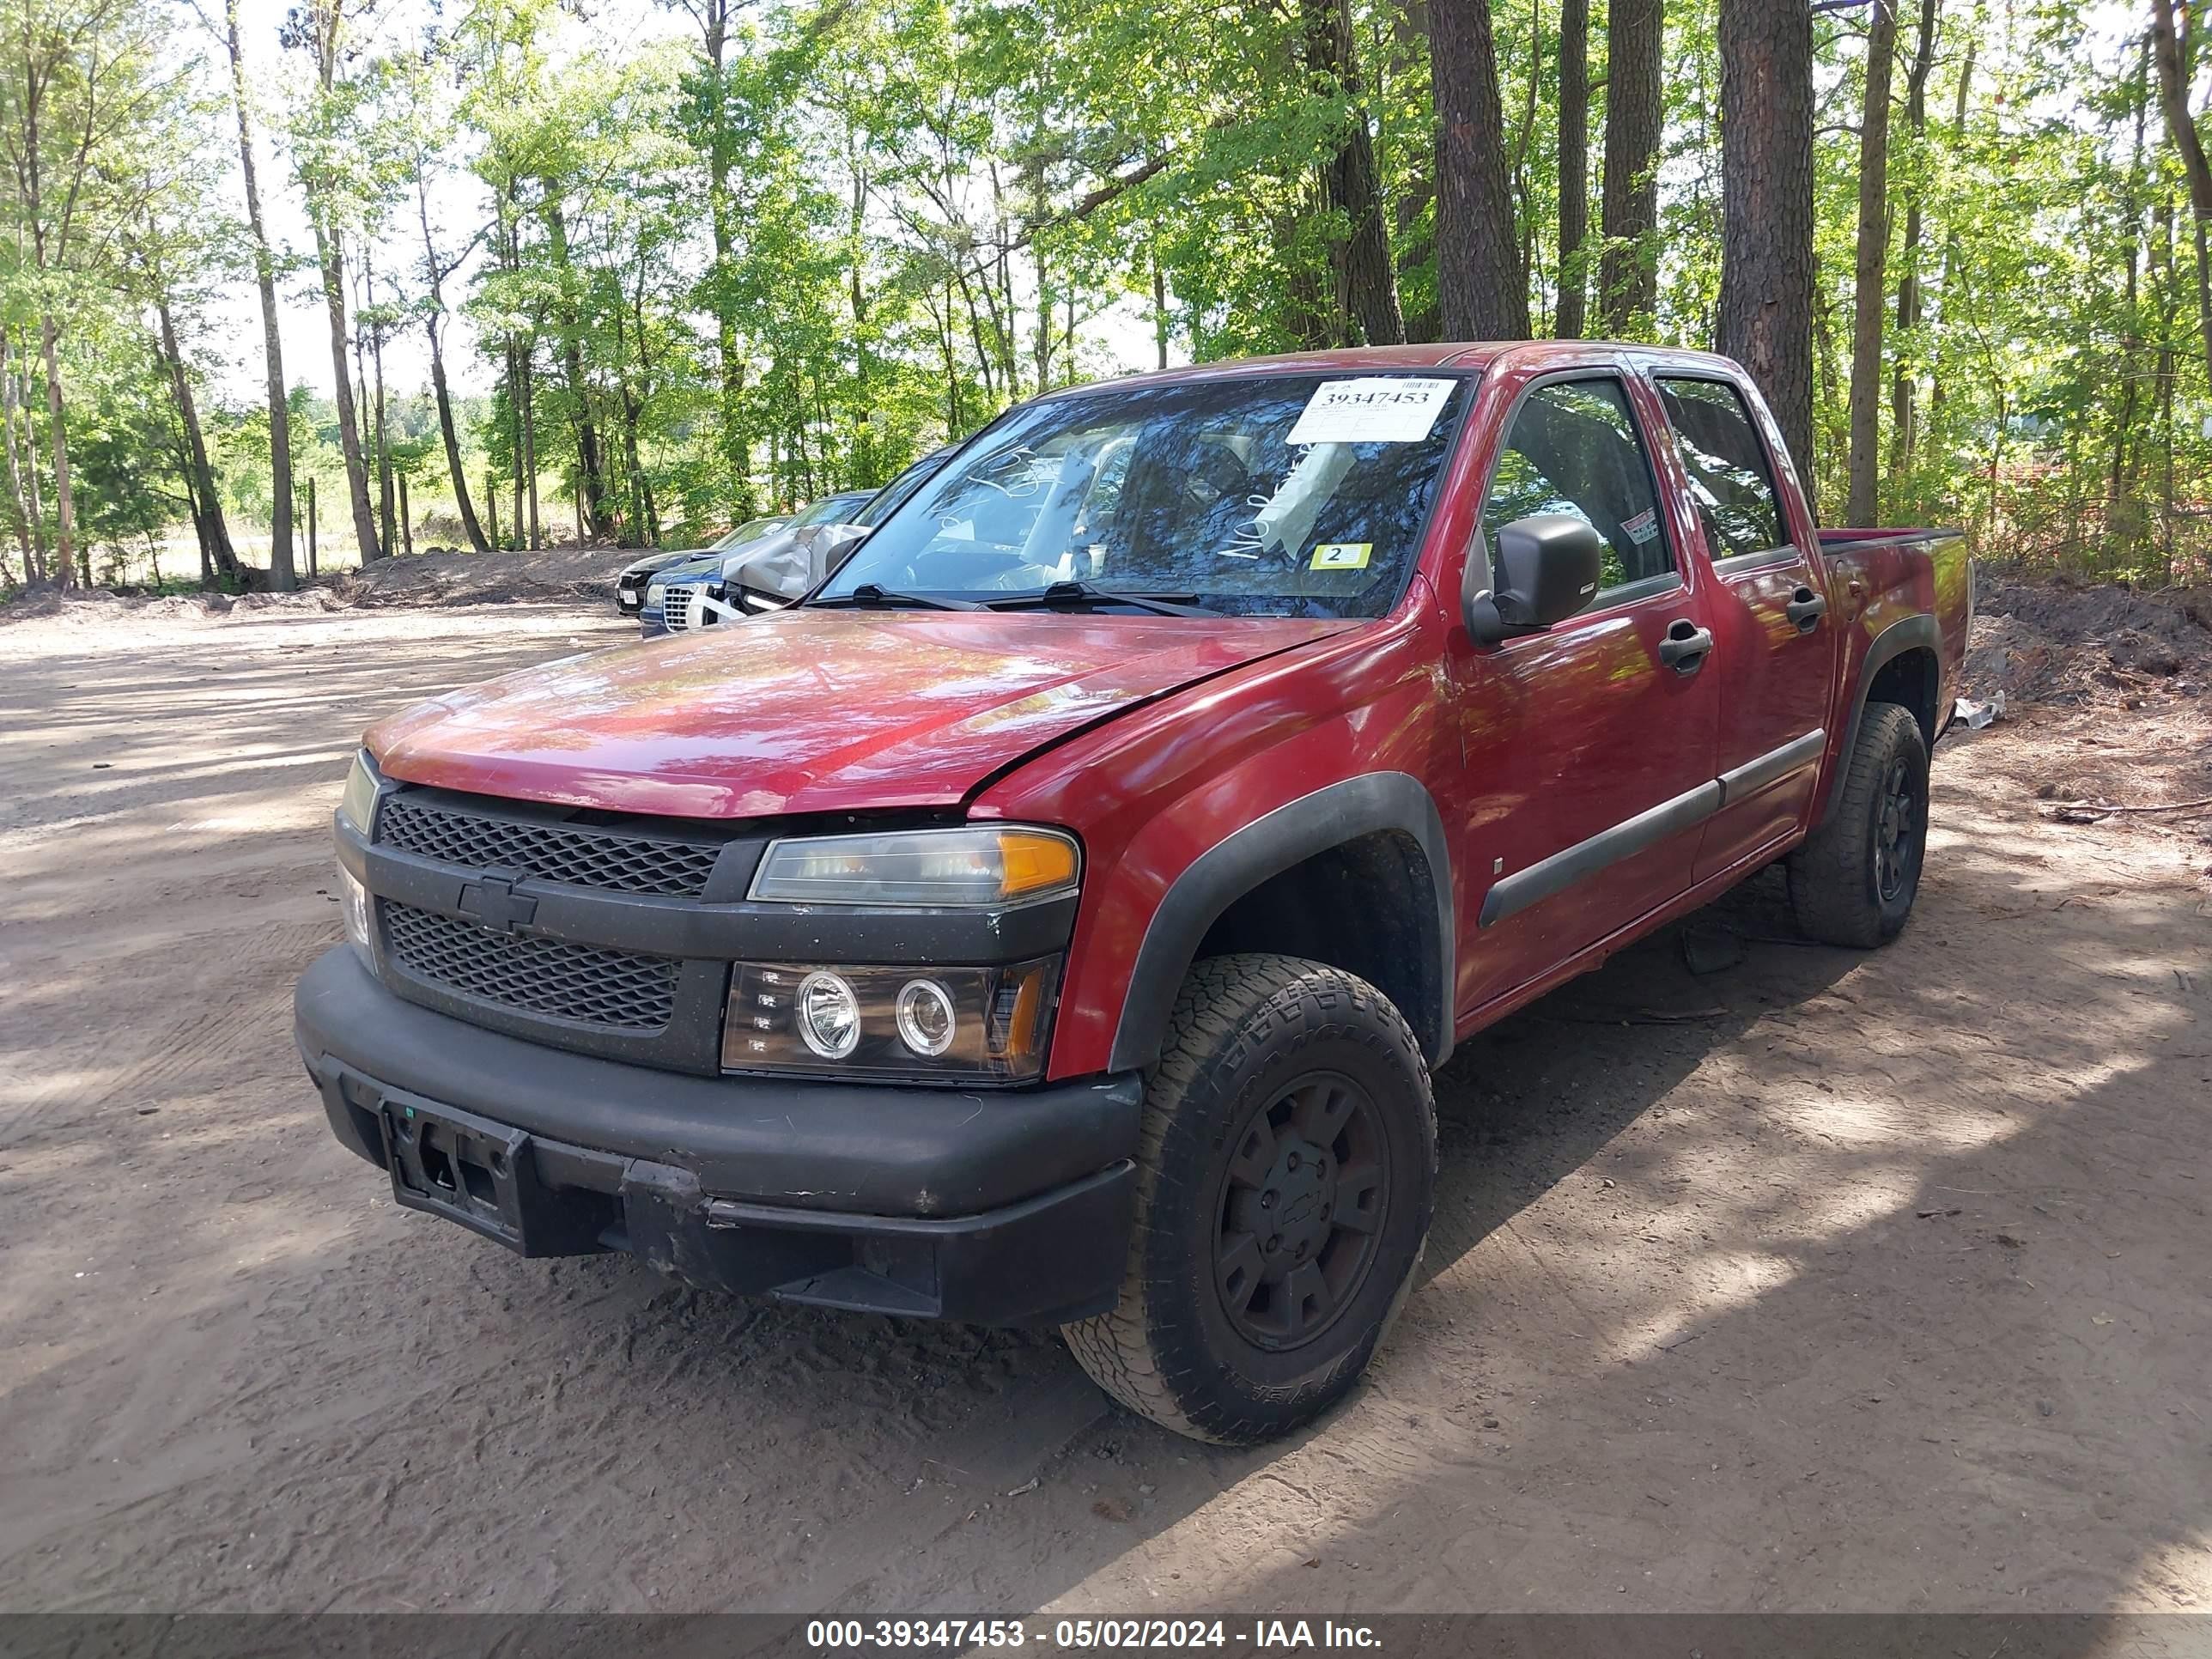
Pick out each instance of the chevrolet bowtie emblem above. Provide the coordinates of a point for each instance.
(493, 905)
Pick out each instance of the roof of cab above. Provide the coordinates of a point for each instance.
(1466, 355)
(1362, 360)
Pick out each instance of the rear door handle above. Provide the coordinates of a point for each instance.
(1805, 607)
(1685, 647)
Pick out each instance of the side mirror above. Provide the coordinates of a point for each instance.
(1547, 569)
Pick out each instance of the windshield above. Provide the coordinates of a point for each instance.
(1288, 496)
(831, 509)
(894, 494)
(752, 530)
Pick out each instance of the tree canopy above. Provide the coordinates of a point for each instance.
(729, 255)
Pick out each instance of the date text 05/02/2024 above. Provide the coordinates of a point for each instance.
(1272, 1635)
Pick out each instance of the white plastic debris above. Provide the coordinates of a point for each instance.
(1977, 715)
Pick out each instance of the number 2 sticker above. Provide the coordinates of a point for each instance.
(1342, 555)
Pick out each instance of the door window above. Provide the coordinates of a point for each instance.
(1573, 448)
(1729, 477)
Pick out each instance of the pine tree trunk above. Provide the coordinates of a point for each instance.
(2124, 432)
(58, 437)
(22, 375)
(1628, 270)
(442, 395)
(1352, 180)
(19, 507)
(1160, 324)
(639, 518)
(1870, 294)
(1904, 388)
(1766, 219)
(722, 214)
(1482, 291)
(444, 399)
(29, 452)
(282, 577)
(1951, 231)
(864, 436)
(1413, 239)
(1574, 165)
(590, 466)
(2162, 254)
(1308, 312)
(2173, 52)
(333, 265)
(515, 399)
(383, 445)
(207, 516)
(196, 504)
(537, 538)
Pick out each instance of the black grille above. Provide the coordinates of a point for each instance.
(538, 976)
(552, 851)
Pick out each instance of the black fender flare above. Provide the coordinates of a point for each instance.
(1372, 803)
(1906, 633)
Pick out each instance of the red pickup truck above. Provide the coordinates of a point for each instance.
(1056, 918)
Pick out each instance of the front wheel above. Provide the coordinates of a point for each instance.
(1854, 880)
(1285, 1177)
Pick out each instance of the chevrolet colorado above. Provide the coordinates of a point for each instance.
(1057, 916)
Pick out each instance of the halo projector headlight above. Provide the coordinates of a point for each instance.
(829, 1015)
(947, 1026)
(927, 1023)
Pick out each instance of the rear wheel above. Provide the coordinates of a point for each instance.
(1285, 1177)
(1854, 880)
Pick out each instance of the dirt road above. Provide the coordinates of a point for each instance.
(1820, 1281)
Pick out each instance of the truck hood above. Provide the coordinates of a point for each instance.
(811, 711)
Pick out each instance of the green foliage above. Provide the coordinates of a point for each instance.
(764, 252)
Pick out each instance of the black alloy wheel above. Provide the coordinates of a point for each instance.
(1302, 1203)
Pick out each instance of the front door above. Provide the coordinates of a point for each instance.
(1774, 646)
(1589, 746)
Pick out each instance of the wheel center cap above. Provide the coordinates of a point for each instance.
(1290, 1214)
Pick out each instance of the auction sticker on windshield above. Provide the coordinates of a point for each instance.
(1342, 555)
(1376, 409)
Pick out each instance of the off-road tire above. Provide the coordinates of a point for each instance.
(1248, 1036)
(1839, 883)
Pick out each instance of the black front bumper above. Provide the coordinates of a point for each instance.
(1003, 1208)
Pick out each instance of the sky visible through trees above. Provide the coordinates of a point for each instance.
(636, 270)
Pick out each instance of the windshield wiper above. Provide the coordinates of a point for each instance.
(1082, 592)
(873, 594)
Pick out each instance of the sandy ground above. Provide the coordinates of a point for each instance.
(1820, 1281)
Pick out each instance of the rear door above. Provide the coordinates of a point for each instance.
(1774, 644)
(1589, 746)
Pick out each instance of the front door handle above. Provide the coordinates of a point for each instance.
(1685, 647)
(1805, 607)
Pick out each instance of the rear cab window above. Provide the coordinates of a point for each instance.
(1731, 477)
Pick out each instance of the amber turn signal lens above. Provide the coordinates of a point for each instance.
(1034, 863)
